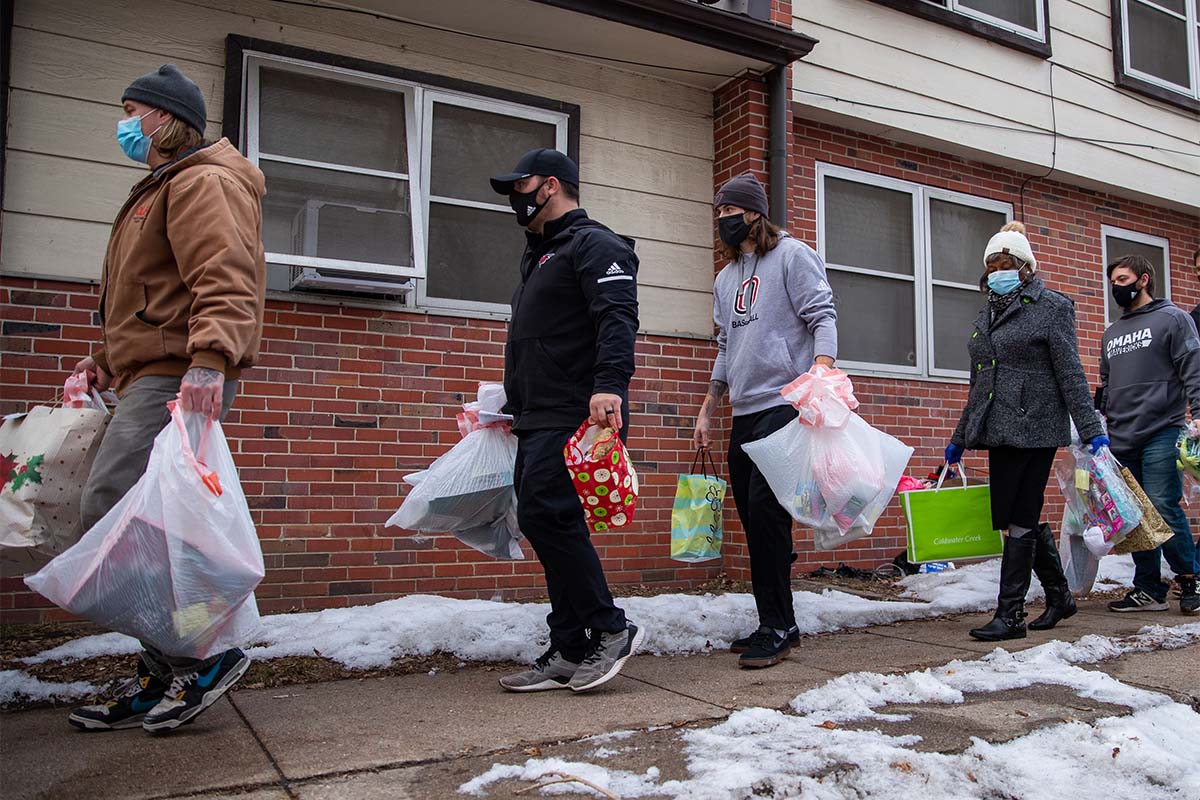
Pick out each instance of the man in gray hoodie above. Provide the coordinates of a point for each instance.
(774, 312)
(1149, 375)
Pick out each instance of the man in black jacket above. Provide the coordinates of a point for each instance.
(569, 357)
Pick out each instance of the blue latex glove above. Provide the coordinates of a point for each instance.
(1097, 442)
(954, 453)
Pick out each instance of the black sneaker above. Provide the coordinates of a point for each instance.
(128, 706)
(743, 644)
(1137, 600)
(1189, 598)
(767, 648)
(190, 694)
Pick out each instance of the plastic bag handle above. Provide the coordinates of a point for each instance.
(698, 460)
(208, 477)
(962, 473)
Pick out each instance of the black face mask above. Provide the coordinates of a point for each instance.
(1125, 295)
(733, 229)
(526, 205)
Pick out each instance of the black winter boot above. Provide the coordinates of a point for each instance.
(1016, 571)
(1048, 567)
(1189, 598)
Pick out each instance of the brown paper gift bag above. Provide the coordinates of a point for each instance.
(45, 458)
(1154, 529)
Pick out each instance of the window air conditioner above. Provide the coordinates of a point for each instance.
(352, 233)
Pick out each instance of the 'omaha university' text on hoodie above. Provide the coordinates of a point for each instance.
(774, 315)
(1149, 364)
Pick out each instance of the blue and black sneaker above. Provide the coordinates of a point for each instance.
(191, 693)
(128, 706)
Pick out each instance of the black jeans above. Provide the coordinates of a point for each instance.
(551, 517)
(1018, 477)
(768, 526)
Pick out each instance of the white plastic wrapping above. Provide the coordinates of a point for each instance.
(176, 561)
(468, 491)
(830, 470)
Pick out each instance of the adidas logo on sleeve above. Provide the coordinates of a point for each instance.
(615, 273)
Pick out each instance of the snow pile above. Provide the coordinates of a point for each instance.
(1151, 753)
(18, 685)
(366, 637)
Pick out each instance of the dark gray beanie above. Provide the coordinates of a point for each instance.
(746, 193)
(170, 90)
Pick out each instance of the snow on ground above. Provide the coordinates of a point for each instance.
(1151, 753)
(364, 637)
(15, 684)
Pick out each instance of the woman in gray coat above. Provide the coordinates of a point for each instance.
(1026, 385)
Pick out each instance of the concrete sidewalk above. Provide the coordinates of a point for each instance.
(421, 736)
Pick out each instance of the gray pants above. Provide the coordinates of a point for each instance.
(120, 462)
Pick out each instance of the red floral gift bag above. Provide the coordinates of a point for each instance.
(604, 477)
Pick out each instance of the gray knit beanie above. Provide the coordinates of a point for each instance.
(170, 90)
(745, 192)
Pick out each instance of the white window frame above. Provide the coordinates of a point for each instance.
(1192, 20)
(1038, 35)
(431, 96)
(1164, 290)
(922, 277)
(253, 63)
(419, 100)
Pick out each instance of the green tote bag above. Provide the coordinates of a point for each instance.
(952, 523)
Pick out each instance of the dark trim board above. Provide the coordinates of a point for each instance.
(977, 27)
(6, 26)
(1135, 84)
(237, 46)
(692, 22)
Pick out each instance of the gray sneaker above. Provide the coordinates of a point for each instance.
(609, 654)
(550, 671)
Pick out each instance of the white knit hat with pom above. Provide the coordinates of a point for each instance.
(1011, 241)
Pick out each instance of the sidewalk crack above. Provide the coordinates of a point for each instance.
(284, 782)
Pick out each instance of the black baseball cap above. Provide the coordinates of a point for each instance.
(542, 161)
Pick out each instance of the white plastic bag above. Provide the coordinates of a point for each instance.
(1080, 564)
(831, 470)
(176, 561)
(468, 491)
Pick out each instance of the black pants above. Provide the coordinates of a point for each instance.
(768, 526)
(1018, 484)
(551, 517)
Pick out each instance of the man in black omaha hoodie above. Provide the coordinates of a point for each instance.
(569, 357)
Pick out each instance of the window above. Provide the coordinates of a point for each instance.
(1026, 17)
(904, 261)
(1157, 48)
(373, 181)
(1021, 24)
(1118, 242)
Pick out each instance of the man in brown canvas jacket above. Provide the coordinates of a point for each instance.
(181, 314)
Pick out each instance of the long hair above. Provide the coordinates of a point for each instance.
(764, 234)
(176, 136)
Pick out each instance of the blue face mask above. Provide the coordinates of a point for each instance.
(134, 143)
(1003, 281)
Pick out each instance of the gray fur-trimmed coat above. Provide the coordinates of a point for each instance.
(1026, 376)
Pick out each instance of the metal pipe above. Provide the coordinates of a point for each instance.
(777, 144)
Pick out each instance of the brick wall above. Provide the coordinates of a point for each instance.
(344, 403)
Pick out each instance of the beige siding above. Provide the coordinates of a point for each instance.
(879, 56)
(646, 143)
